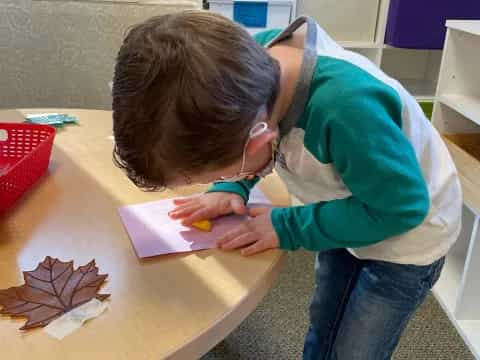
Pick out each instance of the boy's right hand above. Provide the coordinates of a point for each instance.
(207, 206)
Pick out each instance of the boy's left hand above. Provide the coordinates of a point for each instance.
(254, 235)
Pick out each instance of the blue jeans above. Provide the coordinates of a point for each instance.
(361, 307)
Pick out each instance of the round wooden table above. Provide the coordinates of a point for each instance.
(174, 306)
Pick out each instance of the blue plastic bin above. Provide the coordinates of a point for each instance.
(420, 24)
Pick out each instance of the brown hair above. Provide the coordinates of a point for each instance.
(186, 90)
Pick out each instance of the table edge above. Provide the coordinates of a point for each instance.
(203, 342)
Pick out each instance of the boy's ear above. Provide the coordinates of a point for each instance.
(260, 141)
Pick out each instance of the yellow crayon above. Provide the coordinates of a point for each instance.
(203, 225)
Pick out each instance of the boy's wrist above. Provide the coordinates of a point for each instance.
(279, 220)
(230, 187)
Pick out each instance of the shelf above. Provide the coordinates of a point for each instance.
(468, 26)
(393, 47)
(373, 54)
(446, 289)
(416, 70)
(388, 46)
(422, 89)
(424, 98)
(465, 151)
(359, 45)
(467, 106)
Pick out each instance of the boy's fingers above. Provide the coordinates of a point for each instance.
(240, 241)
(184, 206)
(255, 248)
(202, 214)
(253, 212)
(183, 211)
(232, 234)
(238, 206)
(184, 200)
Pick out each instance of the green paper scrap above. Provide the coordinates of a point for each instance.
(427, 107)
(53, 119)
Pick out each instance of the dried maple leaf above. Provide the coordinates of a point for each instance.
(51, 290)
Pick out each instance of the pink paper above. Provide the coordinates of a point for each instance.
(153, 232)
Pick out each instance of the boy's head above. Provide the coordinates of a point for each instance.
(187, 89)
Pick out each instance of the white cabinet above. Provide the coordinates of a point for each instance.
(256, 15)
(457, 116)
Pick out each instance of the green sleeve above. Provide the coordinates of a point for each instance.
(363, 140)
(241, 188)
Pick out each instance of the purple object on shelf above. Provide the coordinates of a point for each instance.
(415, 24)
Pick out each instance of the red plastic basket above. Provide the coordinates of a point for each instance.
(24, 156)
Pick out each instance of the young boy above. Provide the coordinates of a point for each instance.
(197, 100)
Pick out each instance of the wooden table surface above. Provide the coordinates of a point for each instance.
(174, 306)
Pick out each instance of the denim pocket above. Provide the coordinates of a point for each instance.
(436, 271)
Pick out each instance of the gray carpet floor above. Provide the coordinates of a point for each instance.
(276, 329)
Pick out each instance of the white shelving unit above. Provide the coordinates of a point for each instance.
(467, 106)
(417, 70)
(457, 116)
(360, 26)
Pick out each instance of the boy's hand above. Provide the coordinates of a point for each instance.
(254, 235)
(207, 206)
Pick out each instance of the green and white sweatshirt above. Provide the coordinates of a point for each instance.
(367, 170)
